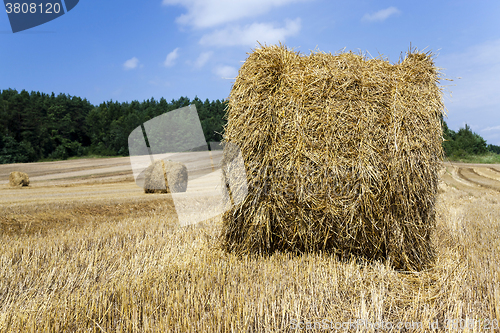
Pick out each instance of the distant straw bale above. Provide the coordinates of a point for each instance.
(341, 152)
(17, 179)
(166, 177)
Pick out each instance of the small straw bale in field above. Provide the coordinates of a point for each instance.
(341, 154)
(165, 177)
(17, 178)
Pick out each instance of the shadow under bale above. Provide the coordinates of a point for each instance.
(341, 154)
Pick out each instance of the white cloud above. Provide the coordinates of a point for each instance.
(381, 15)
(131, 63)
(171, 57)
(250, 34)
(203, 59)
(226, 72)
(210, 13)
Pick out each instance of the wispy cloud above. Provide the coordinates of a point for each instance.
(226, 72)
(381, 15)
(211, 13)
(203, 59)
(131, 63)
(250, 34)
(171, 57)
(494, 128)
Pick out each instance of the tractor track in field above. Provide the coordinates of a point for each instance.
(497, 171)
(481, 179)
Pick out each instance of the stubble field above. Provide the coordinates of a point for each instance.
(83, 249)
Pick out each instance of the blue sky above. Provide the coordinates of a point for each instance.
(130, 50)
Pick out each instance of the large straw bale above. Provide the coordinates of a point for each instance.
(17, 179)
(165, 177)
(341, 153)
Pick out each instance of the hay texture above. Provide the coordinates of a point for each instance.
(165, 177)
(341, 153)
(18, 179)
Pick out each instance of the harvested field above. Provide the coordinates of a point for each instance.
(82, 169)
(96, 254)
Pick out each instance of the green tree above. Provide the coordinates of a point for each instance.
(470, 142)
(462, 143)
(15, 152)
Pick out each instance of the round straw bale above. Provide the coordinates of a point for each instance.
(165, 177)
(341, 154)
(17, 179)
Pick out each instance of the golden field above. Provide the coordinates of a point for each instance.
(83, 249)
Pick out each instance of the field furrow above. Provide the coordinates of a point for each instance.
(470, 175)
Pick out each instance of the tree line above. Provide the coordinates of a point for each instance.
(36, 126)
